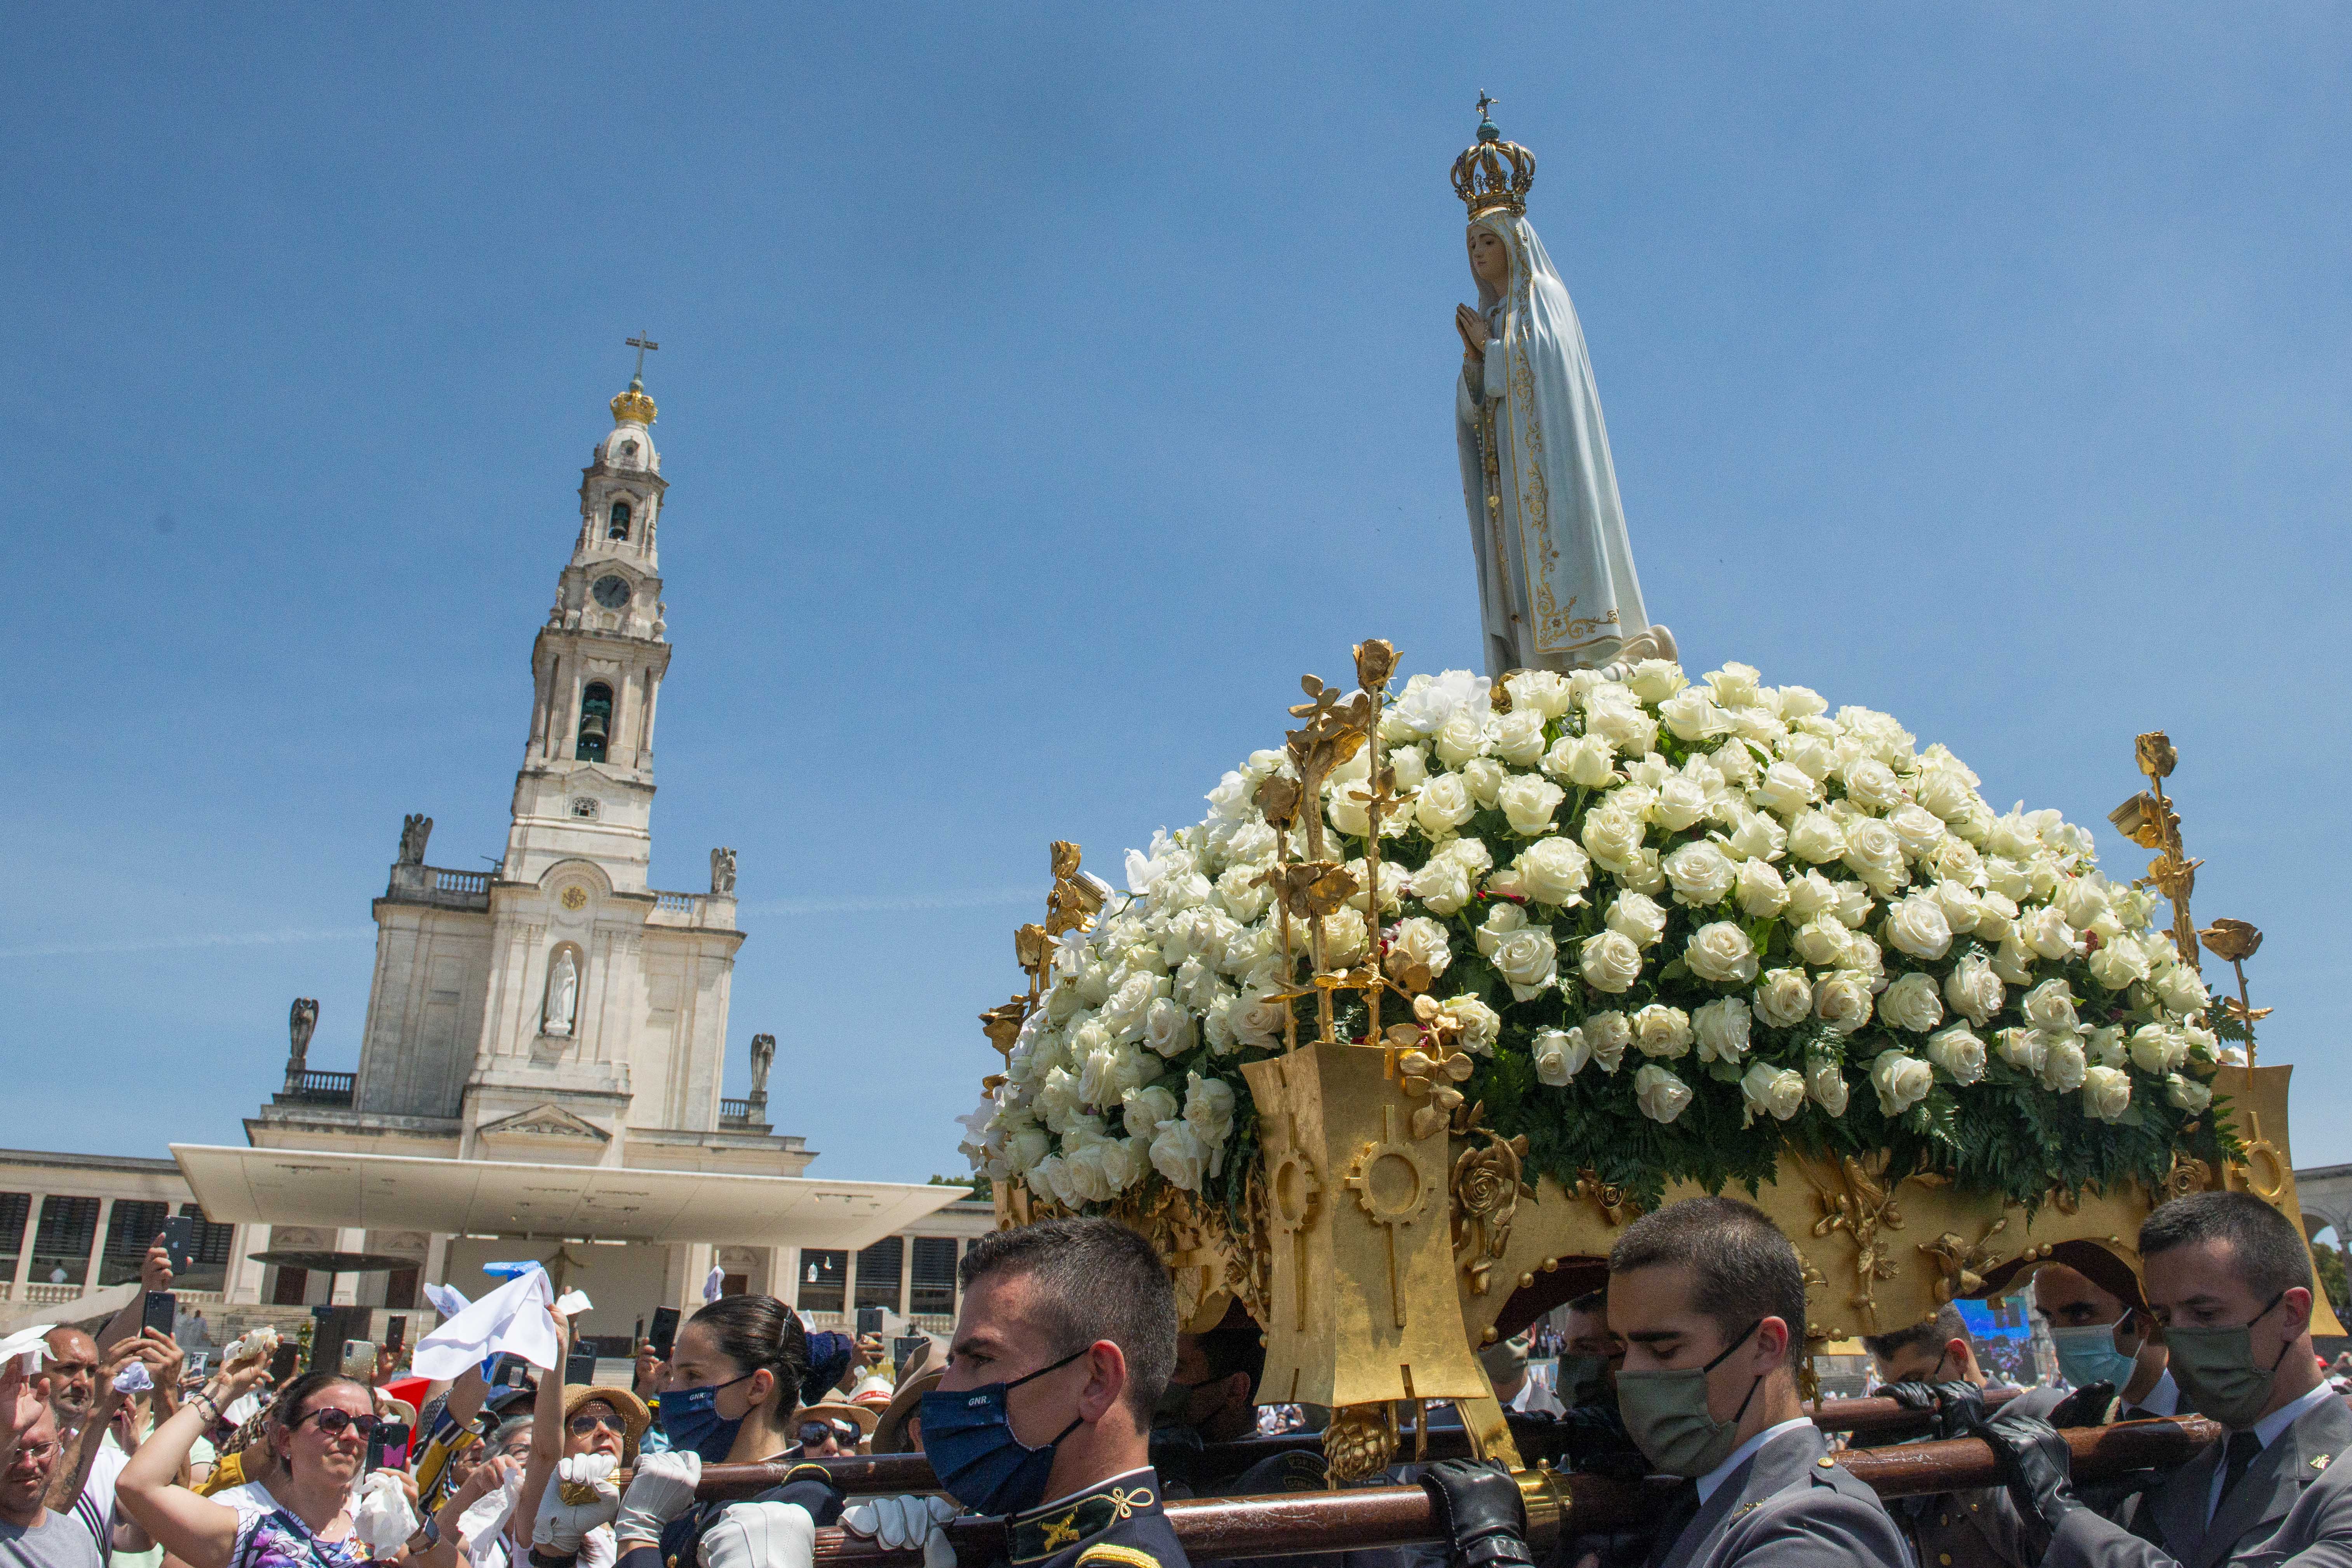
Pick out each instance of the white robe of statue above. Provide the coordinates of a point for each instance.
(1556, 583)
(562, 994)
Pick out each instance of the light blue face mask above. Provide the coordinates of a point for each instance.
(2087, 1355)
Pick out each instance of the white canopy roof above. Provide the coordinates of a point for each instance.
(487, 1197)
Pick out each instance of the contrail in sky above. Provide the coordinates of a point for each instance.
(878, 903)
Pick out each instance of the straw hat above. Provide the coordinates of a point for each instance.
(917, 1377)
(859, 1415)
(634, 1416)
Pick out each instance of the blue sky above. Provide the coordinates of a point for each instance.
(1043, 390)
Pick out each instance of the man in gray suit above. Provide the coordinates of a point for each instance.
(2229, 1279)
(1710, 1299)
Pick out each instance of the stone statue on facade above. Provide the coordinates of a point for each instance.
(1556, 583)
(299, 1022)
(723, 871)
(562, 994)
(763, 1057)
(415, 829)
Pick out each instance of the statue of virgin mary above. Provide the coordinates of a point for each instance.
(1555, 583)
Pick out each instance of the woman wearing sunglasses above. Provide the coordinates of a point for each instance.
(583, 1435)
(317, 1436)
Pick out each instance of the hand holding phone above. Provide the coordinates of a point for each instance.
(161, 1313)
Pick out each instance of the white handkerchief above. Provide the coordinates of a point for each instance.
(513, 1319)
(446, 1299)
(571, 1303)
(32, 1342)
(133, 1379)
(480, 1523)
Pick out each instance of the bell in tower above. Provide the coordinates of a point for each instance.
(595, 722)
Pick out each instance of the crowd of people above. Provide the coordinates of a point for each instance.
(1070, 1405)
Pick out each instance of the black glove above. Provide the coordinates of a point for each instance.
(2086, 1406)
(1957, 1409)
(1479, 1506)
(2038, 1469)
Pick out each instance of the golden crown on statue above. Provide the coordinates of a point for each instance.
(1493, 175)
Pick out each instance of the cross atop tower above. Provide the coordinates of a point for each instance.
(1485, 105)
(641, 342)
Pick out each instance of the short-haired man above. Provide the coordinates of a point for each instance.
(1710, 1299)
(32, 1535)
(1065, 1342)
(1933, 1364)
(1211, 1397)
(2101, 1338)
(1590, 1353)
(2229, 1277)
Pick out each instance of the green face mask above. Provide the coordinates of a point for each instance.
(1582, 1380)
(2215, 1369)
(1665, 1414)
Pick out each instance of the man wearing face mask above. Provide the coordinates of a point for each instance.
(1212, 1398)
(1064, 1345)
(2102, 1339)
(2229, 1279)
(1710, 1299)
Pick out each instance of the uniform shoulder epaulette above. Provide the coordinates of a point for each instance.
(1118, 1556)
(807, 1472)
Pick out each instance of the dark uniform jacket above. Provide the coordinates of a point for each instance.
(1791, 1505)
(807, 1485)
(1979, 1528)
(2294, 1505)
(1115, 1525)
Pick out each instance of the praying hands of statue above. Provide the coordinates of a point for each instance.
(1473, 328)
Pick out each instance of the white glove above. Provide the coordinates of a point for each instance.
(562, 1524)
(383, 1521)
(487, 1514)
(662, 1488)
(903, 1522)
(761, 1535)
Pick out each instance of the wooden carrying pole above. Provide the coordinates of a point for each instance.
(1294, 1523)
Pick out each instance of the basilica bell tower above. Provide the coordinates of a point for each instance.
(586, 788)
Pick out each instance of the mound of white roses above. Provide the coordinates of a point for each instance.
(1676, 923)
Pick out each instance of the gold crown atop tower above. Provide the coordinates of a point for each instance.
(633, 407)
(1492, 175)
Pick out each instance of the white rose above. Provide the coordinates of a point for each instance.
(1410, 765)
(2024, 1049)
(1902, 1082)
(1756, 836)
(1584, 761)
(1693, 717)
(1554, 871)
(1483, 776)
(1610, 961)
(1785, 999)
(1613, 837)
(1444, 884)
(1809, 894)
(1443, 805)
(1608, 1034)
(1870, 784)
(1813, 753)
(1209, 1108)
(1529, 800)
(1735, 685)
(1481, 1025)
(2119, 963)
(2157, 1051)
(1826, 1083)
(1660, 1093)
(1917, 925)
(1168, 1029)
(1637, 917)
(2045, 931)
(2179, 987)
(1911, 1002)
(1974, 991)
(1682, 801)
(1876, 854)
(1559, 1054)
(1178, 1153)
(1823, 943)
(1842, 1000)
(1778, 1092)
(2106, 1044)
(1722, 1030)
(1643, 874)
(1702, 874)
(1632, 732)
(2063, 1062)
(1419, 939)
(1350, 809)
(1461, 738)
(1528, 960)
(1916, 829)
(1655, 680)
(1257, 1020)
(2187, 1093)
(1762, 894)
(1146, 1108)
(1519, 736)
(2106, 1093)
(1661, 1031)
(1785, 788)
(1960, 1053)
(1721, 953)
(2051, 1006)
(1962, 909)
(1025, 1148)
(1241, 892)
(1344, 936)
(1549, 694)
(1813, 836)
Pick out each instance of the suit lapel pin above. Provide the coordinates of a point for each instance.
(2320, 1463)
